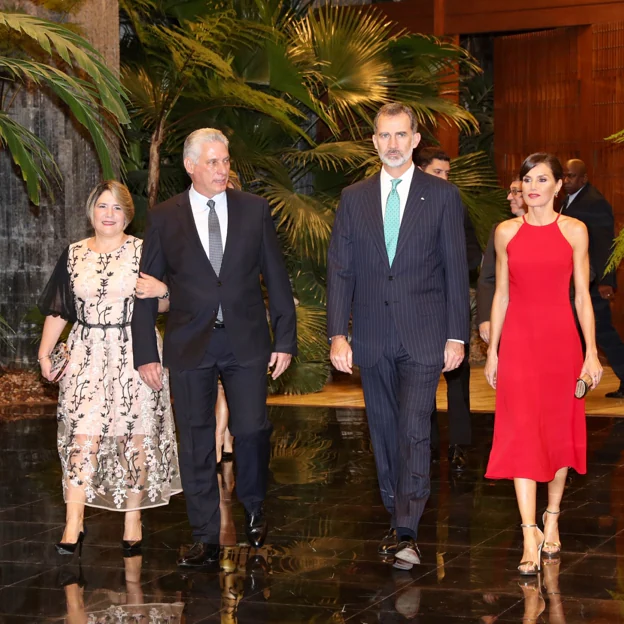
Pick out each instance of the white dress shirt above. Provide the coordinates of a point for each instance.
(572, 197)
(402, 189)
(199, 206)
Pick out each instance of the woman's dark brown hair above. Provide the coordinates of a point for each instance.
(542, 157)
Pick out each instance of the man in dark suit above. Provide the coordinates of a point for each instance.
(437, 162)
(212, 244)
(585, 203)
(397, 265)
(486, 284)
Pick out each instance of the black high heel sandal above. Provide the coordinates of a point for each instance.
(132, 549)
(67, 548)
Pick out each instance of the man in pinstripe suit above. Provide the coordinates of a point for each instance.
(397, 266)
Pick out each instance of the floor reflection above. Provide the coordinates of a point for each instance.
(320, 563)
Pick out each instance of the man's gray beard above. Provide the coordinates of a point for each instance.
(394, 163)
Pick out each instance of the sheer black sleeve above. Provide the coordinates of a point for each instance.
(57, 298)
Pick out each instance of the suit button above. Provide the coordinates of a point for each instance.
(390, 277)
(386, 303)
(218, 283)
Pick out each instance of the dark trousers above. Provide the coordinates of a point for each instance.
(458, 395)
(195, 395)
(399, 394)
(606, 335)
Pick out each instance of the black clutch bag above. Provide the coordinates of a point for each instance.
(59, 359)
(583, 384)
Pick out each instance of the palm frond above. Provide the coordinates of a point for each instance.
(76, 52)
(617, 254)
(473, 172)
(31, 155)
(304, 220)
(332, 155)
(618, 137)
(485, 210)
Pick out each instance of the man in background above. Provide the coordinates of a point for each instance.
(437, 162)
(585, 203)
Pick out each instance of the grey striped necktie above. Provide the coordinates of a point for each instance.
(215, 246)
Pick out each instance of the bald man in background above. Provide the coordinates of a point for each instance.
(585, 203)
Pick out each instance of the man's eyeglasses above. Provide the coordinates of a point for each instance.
(515, 191)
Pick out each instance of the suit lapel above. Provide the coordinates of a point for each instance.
(416, 200)
(235, 221)
(373, 216)
(185, 217)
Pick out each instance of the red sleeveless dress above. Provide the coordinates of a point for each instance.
(539, 425)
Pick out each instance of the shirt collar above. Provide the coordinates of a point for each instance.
(199, 202)
(573, 197)
(406, 178)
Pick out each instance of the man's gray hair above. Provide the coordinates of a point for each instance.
(194, 141)
(397, 108)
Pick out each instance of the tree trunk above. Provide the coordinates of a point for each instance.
(153, 172)
(31, 239)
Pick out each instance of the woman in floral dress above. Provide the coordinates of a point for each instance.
(116, 437)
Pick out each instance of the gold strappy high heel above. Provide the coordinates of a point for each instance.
(535, 566)
(556, 546)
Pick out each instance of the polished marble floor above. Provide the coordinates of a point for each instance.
(320, 563)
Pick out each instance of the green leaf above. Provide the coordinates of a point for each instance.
(31, 155)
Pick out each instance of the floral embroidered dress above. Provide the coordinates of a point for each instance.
(116, 437)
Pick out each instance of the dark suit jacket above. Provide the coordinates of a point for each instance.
(426, 289)
(172, 249)
(590, 207)
(486, 285)
(473, 249)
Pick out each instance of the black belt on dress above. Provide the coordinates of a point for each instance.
(119, 326)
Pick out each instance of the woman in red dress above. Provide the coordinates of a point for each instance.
(539, 428)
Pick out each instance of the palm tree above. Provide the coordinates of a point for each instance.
(41, 54)
(297, 98)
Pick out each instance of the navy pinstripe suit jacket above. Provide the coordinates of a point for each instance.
(426, 288)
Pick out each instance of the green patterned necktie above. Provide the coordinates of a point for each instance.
(392, 220)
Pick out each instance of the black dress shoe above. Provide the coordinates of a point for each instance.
(200, 555)
(388, 544)
(256, 527)
(407, 552)
(435, 454)
(457, 458)
(616, 394)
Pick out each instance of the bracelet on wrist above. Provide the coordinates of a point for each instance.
(43, 357)
(165, 296)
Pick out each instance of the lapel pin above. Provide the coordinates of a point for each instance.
(423, 199)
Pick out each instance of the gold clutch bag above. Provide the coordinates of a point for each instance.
(59, 359)
(583, 384)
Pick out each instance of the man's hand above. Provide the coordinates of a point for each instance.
(151, 374)
(453, 355)
(484, 331)
(341, 354)
(281, 361)
(606, 292)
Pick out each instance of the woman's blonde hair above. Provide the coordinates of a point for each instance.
(121, 194)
